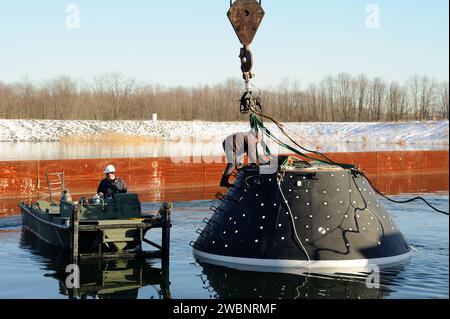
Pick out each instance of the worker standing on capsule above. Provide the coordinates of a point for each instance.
(235, 147)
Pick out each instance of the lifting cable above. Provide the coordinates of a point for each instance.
(246, 29)
(257, 124)
(293, 222)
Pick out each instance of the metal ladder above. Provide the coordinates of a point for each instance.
(57, 183)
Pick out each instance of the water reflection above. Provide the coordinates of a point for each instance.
(99, 279)
(12, 151)
(226, 283)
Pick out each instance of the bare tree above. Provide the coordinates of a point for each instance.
(113, 97)
(362, 87)
(443, 100)
(427, 97)
(377, 90)
(414, 84)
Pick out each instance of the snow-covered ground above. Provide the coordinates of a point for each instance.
(406, 133)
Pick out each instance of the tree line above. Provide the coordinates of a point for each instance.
(334, 99)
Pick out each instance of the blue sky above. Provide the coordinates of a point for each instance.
(181, 42)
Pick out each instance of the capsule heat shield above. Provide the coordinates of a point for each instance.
(316, 216)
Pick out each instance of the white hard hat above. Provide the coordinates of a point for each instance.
(110, 169)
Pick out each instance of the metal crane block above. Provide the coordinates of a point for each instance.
(246, 17)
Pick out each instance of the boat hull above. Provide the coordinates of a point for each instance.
(42, 226)
(57, 231)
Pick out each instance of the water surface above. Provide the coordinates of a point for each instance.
(30, 270)
(10, 151)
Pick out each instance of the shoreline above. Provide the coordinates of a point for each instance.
(402, 133)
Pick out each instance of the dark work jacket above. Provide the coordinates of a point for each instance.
(109, 187)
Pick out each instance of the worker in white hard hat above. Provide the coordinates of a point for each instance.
(111, 184)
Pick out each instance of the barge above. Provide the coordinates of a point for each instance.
(98, 228)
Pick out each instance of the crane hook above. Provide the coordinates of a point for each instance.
(246, 63)
(246, 17)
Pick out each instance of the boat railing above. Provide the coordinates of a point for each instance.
(85, 202)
